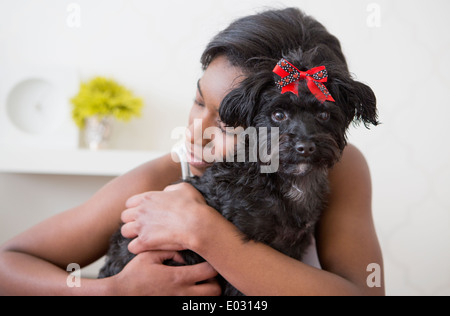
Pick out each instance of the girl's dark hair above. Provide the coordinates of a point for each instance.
(256, 43)
(270, 35)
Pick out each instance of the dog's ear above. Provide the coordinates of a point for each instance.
(240, 106)
(357, 100)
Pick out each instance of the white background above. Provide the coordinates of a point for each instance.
(142, 44)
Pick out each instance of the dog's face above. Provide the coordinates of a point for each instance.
(312, 134)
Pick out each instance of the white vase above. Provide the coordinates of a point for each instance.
(97, 132)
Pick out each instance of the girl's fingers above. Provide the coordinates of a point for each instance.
(130, 230)
(200, 272)
(128, 215)
(163, 256)
(136, 200)
(174, 187)
(135, 247)
(209, 288)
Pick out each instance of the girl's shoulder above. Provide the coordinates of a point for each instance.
(352, 165)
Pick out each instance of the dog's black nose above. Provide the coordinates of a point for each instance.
(305, 149)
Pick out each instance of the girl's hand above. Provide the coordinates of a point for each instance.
(146, 275)
(169, 220)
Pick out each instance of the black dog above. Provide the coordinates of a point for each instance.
(280, 209)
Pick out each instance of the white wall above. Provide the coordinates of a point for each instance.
(142, 43)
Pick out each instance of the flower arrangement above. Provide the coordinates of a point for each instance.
(103, 98)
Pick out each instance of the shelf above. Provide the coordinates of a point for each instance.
(73, 162)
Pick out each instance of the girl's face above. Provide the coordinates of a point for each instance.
(217, 81)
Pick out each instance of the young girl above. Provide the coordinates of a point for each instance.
(168, 219)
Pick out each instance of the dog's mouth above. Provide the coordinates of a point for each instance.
(297, 168)
(295, 162)
(300, 166)
(303, 169)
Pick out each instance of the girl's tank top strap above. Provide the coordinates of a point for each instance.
(180, 151)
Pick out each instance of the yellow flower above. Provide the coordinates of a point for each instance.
(104, 97)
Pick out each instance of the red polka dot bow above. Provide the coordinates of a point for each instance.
(290, 76)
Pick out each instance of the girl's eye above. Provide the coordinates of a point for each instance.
(324, 116)
(200, 104)
(279, 116)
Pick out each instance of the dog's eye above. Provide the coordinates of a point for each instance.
(279, 116)
(324, 116)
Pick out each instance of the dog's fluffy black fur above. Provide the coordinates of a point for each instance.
(279, 209)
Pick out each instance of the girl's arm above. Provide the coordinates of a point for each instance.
(347, 242)
(346, 238)
(35, 262)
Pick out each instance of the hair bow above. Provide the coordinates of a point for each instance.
(290, 76)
